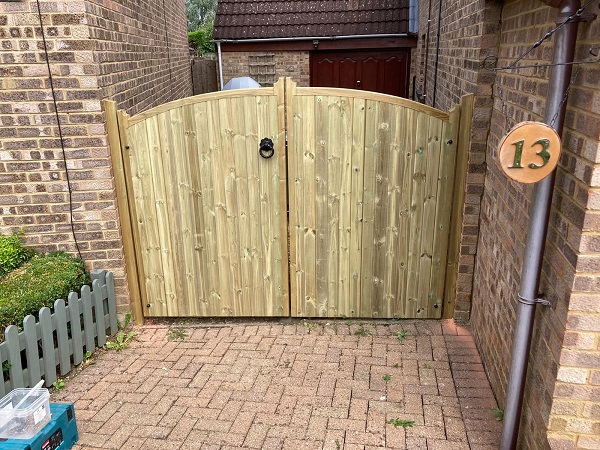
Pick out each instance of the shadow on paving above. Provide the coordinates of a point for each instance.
(318, 384)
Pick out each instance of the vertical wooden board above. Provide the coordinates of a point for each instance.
(183, 208)
(385, 121)
(277, 195)
(368, 282)
(99, 313)
(296, 177)
(433, 154)
(225, 294)
(196, 245)
(112, 303)
(344, 148)
(89, 331)
(416, 215)
(15, 371)
(356, 209)
(393, 217)
(32, 350)
(76, 325)
(161, 132)
(280, 90)
(248, 303)
(230, 138)
(445, 189)
(408, 125)
(140, 155)
(45, 324)
(255, 256)
(268, 202)
(308, 230)
(325, 235)
(62, 338)
(276, 128)
(207, 232)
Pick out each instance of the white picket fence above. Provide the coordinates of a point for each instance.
(59, 340)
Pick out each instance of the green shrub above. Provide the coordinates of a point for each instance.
(39, 283)
(201, 39)
(13, 253)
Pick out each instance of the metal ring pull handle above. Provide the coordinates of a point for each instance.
(266, 149)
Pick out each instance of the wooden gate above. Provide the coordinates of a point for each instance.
(361, 196)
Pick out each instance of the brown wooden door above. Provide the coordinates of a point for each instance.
(378, 71)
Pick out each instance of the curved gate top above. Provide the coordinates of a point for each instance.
(310, 202)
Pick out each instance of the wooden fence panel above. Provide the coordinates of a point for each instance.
(204, 76)
(67, 348)
(369, 204)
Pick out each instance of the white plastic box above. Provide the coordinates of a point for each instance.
(30, 417)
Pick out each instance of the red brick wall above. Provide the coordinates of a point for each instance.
(469, 33)
(294, 64)
(562, 397)
(82, 44)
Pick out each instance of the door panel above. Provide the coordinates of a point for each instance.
(377, 71)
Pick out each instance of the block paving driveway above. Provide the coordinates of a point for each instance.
(287, 385)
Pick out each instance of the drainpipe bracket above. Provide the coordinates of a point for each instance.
(531, 302)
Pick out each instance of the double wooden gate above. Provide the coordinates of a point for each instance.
(350, 217)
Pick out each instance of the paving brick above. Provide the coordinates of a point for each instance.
(297, 400)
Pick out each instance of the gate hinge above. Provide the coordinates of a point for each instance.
(540, 300)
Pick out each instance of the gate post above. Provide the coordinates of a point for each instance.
(116, 154)
(462, 158)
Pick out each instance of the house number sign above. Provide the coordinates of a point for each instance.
(529, 152)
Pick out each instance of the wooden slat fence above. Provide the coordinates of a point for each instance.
(58, 341)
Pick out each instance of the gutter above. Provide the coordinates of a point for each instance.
(311, 38)
(539, 213)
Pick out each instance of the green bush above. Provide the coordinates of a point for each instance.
(39, 283)
(201, 39)
(13, 253)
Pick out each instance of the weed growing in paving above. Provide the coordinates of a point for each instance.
(401, 423)
(308, 325)
(58, 384)
(396, 365)
(401, 335)
(387, 377)
(499, 414)
(362, 331)
(87, 359)
(177, 334)
(122, 340)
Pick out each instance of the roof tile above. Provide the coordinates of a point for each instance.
(247, 19)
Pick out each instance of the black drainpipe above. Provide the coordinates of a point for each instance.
(437, 54)
(560, 76)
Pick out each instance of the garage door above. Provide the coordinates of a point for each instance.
(378, 71)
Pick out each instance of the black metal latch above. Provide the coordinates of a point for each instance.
(266, 149)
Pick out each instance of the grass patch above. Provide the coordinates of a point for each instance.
(38, 283)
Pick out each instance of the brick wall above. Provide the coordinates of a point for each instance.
(469, 33)
(82, 44)
(562, 400)
(236, 64)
